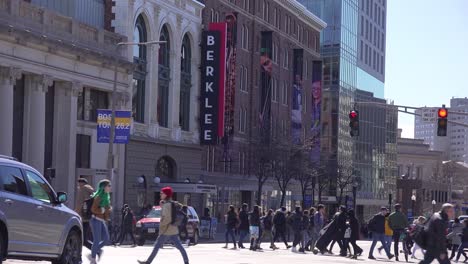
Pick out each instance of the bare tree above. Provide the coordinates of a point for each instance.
(261, 166)
(282, 169)
(345, 177)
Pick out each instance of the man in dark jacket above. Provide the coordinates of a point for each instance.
(279, 221)
(340, 219)
(436, 243)
(127, 225)
(296, 222)
(398, 222)
(244, 224)
(377, 227)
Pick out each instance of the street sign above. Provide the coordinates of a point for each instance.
(429, 115)
(122, 126)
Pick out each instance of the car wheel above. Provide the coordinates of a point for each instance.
(196, 237)
(71, 250)
(141, 242)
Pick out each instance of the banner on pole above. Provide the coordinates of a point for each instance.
(122, 126)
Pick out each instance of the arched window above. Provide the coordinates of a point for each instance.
(164, 78)
(139, 76)
(185, 83)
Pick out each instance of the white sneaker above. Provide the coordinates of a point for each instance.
(91, 259)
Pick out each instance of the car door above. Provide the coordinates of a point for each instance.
(49, 220)
(14, 204)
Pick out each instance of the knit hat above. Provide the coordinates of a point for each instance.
(167, 191)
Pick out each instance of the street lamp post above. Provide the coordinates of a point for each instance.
(110, 154)
(433, 206)
(413, 202)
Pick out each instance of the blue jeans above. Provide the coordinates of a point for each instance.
(376, 237)
(242, 235)
(100, 236)
(230, 232)
(160, 242)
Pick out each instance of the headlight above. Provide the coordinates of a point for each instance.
(138, 224)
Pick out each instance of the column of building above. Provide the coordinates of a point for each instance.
(8, 77)
(36, 87)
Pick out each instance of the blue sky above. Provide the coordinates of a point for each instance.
(426, 55)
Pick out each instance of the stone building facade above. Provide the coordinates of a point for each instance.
(165, 139)
(55, 72)
(421, 174)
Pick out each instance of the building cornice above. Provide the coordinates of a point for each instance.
(303, 13)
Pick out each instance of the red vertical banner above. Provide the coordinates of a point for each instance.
(221, 28)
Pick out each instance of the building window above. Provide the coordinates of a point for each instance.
(382, 64)
(83, 151)
(89, 101)
(367, 54)
(243, 78)
(216, 17)
(275, 16)
(274, 89)
(361, 50)
(306, 69)
(367, 29)
(246, 4)
(242, 120)
(284, 93)
(212, 15)
(245, 37)
(286, 59)
(275, 53)
(362, 26)
(139, 75)
(267, 15)
(164, 78)
(185, 84)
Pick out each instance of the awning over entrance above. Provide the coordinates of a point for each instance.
(188, 187)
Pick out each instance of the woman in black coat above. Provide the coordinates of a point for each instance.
(355, 231)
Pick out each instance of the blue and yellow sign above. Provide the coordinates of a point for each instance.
(122, 126)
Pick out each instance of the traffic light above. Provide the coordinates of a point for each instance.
(442, 121)
(354, 123)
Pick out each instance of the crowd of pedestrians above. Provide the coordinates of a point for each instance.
(310, 229)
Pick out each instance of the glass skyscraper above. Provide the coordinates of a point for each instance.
(354, 80)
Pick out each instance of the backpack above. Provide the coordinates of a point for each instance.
(279, 219)
(86, 213)
(178, 215)
(419, 235)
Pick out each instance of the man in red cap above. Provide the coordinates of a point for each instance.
(167, 229)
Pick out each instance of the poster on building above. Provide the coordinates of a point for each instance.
(316, 111)
(231, 57)
(123, 120)
(212, 85)
(296, 97)
(266, 67)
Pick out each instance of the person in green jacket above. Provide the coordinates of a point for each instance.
(398, 222)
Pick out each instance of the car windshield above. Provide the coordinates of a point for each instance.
(155, 213)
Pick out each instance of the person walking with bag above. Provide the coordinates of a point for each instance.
(168, 228)
(101, 210)
(231, 223)
(84, 193)
(254, 228)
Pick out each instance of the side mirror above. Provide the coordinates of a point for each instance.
(62, 197)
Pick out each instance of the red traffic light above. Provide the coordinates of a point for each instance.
(353, 114)
(442, 113)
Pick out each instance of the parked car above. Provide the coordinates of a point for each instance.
(147, 228)
(35, 224)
